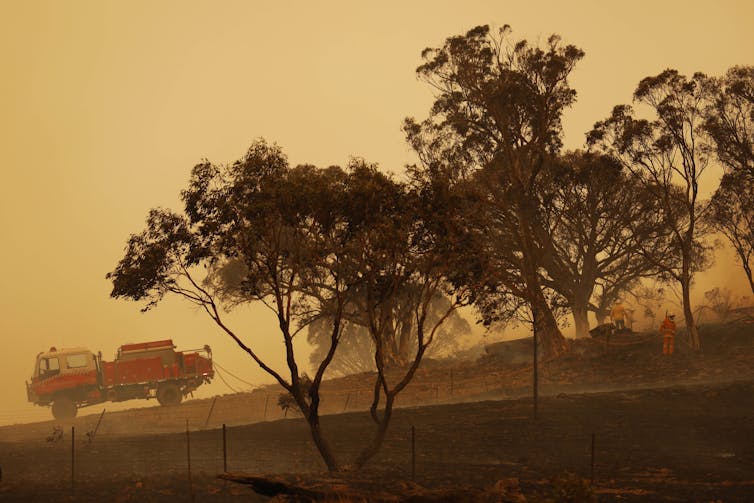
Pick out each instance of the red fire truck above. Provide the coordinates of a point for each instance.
(71, 378)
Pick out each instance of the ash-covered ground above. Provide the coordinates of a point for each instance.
(668, 429)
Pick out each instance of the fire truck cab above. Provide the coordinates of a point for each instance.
(64, 362)
(63, 378)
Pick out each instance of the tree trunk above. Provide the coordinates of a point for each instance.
(688, 314)
(747, 270)
(535, 364)
(311, 413)
(379, 436)
(550, 338)
(322, 445)
(404, 340)
(580, 319)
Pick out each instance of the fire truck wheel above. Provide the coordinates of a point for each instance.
(64, 408)
(169, 394)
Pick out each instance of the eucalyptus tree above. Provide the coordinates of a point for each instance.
(404, 267)
(669, 158)
(253, 231)
(496, 117)
(599, 221)
(312, 245)
(729, 121)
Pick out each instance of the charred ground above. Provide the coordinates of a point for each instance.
(679, 428)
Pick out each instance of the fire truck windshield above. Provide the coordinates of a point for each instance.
(48, 366)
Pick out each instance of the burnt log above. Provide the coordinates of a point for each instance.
(328, 488)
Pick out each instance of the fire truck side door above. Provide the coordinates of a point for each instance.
(48, 367)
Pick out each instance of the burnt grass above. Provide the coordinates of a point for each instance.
(665, 429)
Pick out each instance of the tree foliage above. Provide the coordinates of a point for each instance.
(404, 266)
(733, 215)
(312, 245)
(496, 118)
(493, 215)
(729, 121)
(667, 156)
(729, 118)
(599, 221)
(356, 349)
(253, 231)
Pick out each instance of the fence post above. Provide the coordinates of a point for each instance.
(535, 380)
(188, 457)
(73, 458)
(348, 399)
(225, 452)
(96, 428)
(266, 401)
(591, 470)
(451, 382)
(413, 453)
(211, 408)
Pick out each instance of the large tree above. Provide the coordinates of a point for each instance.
(403, 265)
(497, 112)
(599, 220)
(668, 157)
(729, 121)
(311, 245)
(253, 231)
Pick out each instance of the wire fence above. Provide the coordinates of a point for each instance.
(113, 452)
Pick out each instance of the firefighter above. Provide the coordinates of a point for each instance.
(629, 320)
(667, 329)
(618, 315)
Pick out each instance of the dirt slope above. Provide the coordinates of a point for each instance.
(680, 428)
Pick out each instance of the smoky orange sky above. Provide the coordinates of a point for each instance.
(105, 106)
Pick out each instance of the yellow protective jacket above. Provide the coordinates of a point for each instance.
(618, 312)
(667, 328)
